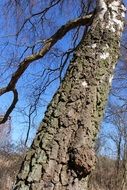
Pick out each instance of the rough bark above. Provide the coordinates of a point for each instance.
(62, 154)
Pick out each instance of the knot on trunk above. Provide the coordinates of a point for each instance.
(81, 161)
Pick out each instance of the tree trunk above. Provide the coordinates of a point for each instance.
(62, 153)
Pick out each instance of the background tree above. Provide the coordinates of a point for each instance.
(117, 136)
(5, 132)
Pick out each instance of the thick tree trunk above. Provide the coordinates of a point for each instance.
(62, 154)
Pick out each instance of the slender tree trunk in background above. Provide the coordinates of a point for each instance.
(118, 161)
(62, 154)
(124, 177)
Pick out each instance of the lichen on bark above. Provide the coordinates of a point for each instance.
(62, 153)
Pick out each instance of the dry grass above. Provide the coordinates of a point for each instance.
(9, 166)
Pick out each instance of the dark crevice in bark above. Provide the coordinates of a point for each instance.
(80, 171)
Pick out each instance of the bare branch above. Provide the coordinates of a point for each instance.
(28, 60)
(12, 106)
(48, 44)
(86, 20)
(42, 13)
